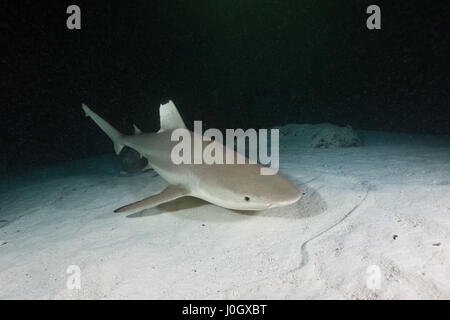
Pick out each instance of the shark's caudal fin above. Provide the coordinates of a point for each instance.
(106, 127)
(170, 118)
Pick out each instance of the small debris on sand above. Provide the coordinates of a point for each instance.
(437, 244)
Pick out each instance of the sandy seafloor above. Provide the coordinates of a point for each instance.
(374, 224)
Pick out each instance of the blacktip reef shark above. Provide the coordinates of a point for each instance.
(232, 186)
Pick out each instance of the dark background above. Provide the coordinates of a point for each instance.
(230, 63)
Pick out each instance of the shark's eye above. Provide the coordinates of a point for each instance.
(247, 198)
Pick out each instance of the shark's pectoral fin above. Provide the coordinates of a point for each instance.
(172, 192)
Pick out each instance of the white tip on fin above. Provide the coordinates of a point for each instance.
(170, 118)
(136, 130)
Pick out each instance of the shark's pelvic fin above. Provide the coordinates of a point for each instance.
(172, 192)
(106, 127)
(170, 118)
(147, 167)
(136, 130)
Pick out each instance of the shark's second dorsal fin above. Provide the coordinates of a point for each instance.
(170, 118)
(136, 130)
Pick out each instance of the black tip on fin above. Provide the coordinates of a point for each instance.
(164, 100)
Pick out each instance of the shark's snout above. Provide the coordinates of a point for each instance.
(286, 196)
(287, 201)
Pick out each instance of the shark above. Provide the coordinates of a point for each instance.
(231, 186)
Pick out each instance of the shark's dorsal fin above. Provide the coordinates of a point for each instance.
(136, 130)
(170, 118)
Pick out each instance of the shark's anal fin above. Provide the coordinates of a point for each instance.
(172, 192)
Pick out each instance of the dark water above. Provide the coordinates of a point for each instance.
(247, 64)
